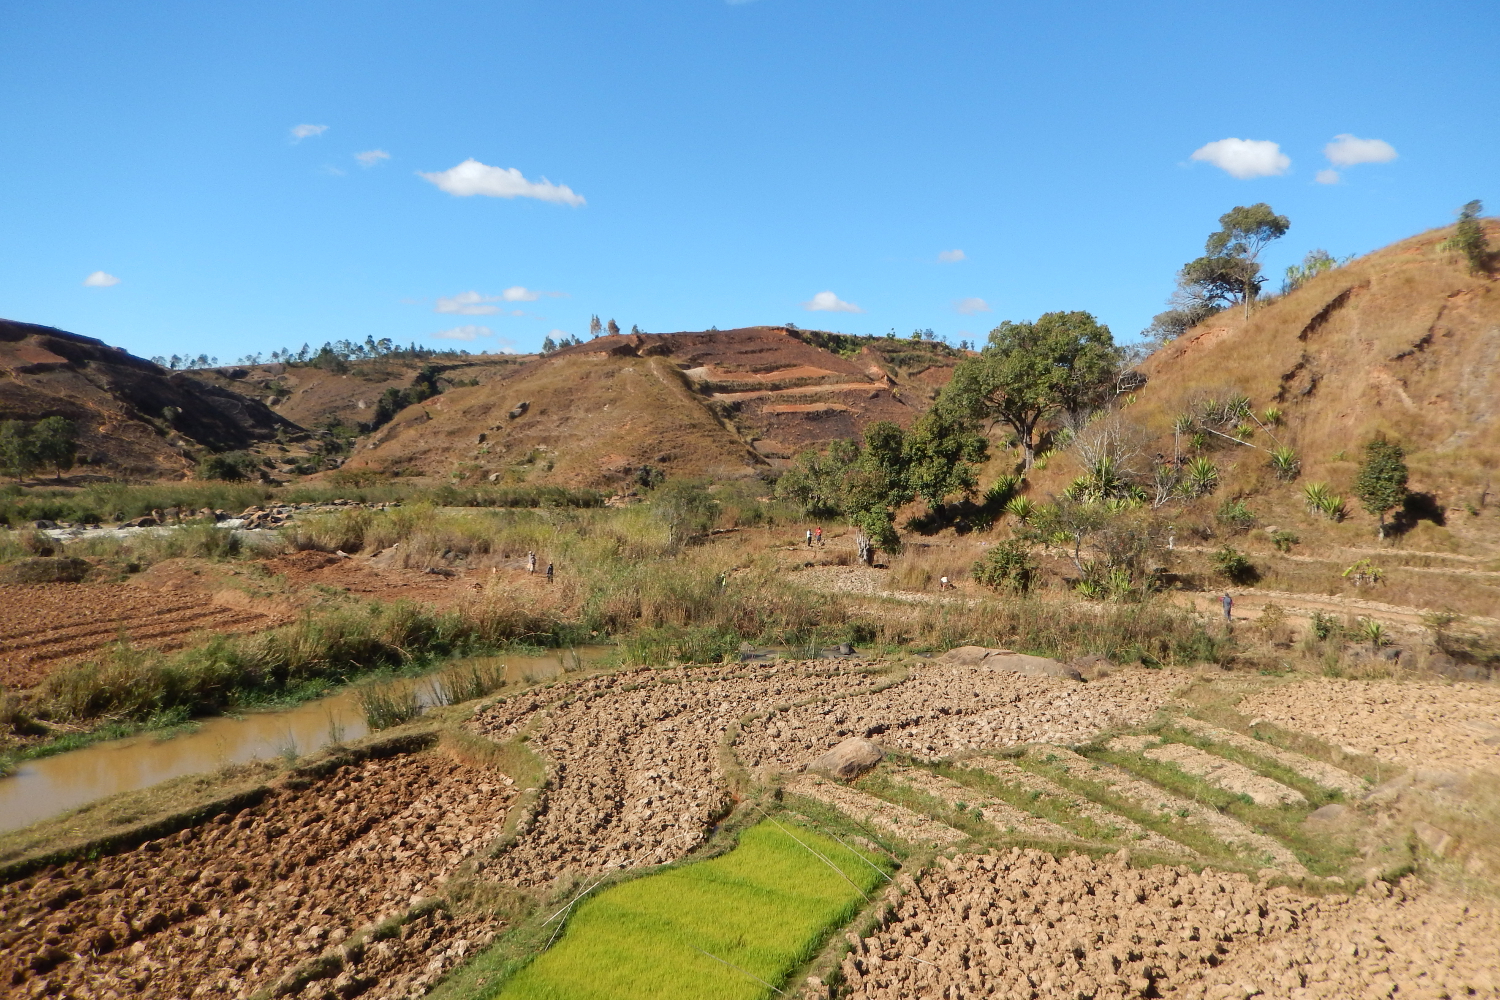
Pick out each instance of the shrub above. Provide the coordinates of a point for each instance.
(1468, 238)
(1233, 513)
(1007, 566)
(1325, 626)
(1234, 567)
(231, 466)
(1284, 540)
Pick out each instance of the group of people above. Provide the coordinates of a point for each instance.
(815, 536)
(531, 565)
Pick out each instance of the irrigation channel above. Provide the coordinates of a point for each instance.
(42, 788)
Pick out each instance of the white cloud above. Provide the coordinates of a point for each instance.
(472, 177)
(100, 279)
(829, 302)
(332, 171)
(1245, 158)
(970, 306)
(1327, 177)
(951, 256)
(475, 304)
(468, 304)
(465, 333)
(300, 132)
(370, 157)
(1345, 151)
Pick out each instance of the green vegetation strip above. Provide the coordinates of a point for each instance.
(1173, 827)
(1264, 766)
(732, 927)
(1321, 855)
(1034, 802)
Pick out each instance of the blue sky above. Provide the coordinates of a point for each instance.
(724, 163)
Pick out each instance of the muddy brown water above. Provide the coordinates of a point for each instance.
(40, 789)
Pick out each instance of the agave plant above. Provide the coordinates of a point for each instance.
(1273, 416)
(1237, 407)
(1284, 460)
(1182, 423)
(1021, 508)
(1244, 430)
(1316, 495)
(1372, 632)
(1201, 477)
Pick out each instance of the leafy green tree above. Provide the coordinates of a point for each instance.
(1229, 270)
(1468, 238)
(18, 455)
(1381, 483)
(1314, 264)
(56, 443)
(548, 345)
(940, 454)
(1065, 361)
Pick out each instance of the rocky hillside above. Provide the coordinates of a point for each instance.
(715, 403)
(134, 418)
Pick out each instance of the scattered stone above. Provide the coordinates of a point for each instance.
(1438, 840)
(1004, 659)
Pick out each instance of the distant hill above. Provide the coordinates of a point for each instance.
(721, 403)
(1403, 340)
(134, 418)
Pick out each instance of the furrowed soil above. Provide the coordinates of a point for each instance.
(45, 625)
(382, 877)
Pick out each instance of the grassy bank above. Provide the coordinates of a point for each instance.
(731, 927)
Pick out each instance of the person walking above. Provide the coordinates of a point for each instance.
(531, 562)
(549, 572)
(1228, 603)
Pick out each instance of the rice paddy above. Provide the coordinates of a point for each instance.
(733, 927)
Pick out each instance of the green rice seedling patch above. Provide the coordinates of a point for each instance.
(732, 927)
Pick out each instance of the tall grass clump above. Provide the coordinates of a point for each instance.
(101, 502)
(389, 704)
(1147, 632)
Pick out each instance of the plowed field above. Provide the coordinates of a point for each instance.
(46, 625)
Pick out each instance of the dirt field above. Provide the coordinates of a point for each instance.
(1027, 924)
(44, 625)
(640, 764)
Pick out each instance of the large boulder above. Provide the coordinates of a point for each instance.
(1004, 659)
(849, 759)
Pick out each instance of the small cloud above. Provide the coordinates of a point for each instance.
(1346, 151)
(1245, 158)
(1327, 177)
(951, 256)
(472, 177)
(300, 132)
(516, 293)
(100, 279)
(332, 171)
(970, 306)
(468, 304)
(829, 302)
(370, 157)
(465, 333)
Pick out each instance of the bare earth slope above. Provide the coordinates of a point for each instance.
(716, 403)
(120, 403)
